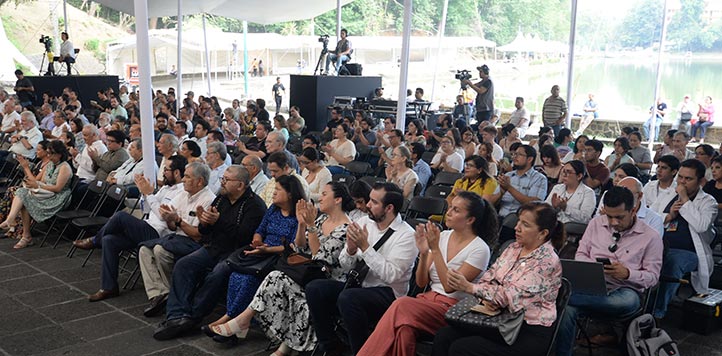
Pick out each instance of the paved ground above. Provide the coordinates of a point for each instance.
(44, 311)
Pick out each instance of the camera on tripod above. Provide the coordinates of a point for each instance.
(47, 41)
(463, 75)
(324, 39)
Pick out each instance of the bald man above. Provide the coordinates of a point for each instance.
(649, 216)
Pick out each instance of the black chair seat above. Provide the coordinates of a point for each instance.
(87, 222)
(73, 214)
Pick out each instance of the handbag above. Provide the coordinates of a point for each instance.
(356, 276)
(504, 326)
(41, 194)
(301, 268)
(254, 265)
(685, 117)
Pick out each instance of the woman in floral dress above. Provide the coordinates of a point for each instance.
(280, 305)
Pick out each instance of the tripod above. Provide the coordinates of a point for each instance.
(51, 66)
(320, 58)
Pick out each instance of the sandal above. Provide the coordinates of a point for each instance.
(24, 242)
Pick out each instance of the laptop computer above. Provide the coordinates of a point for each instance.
(585, 277)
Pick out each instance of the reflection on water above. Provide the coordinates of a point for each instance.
(624, 87)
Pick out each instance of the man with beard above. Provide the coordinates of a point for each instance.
(126, 231)
(161, 126)
(227, 225)
(518, 187)
(379, 247)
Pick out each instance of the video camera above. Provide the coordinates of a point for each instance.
(324, 39)
(463, 75)
(47, 41)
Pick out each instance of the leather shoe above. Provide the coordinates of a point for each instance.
(156, 305)
(171, 329)
(84, 244)
(103, 294)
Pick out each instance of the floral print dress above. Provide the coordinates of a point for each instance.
(280, 303)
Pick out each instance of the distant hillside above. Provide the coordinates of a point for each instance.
(26, 22)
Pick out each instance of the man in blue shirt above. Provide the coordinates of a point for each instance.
(421, 168)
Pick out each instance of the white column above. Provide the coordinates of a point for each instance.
(570, 63)
(245, 58)
(65, 14)
(403, 76)
(208, 57)
(338, 20)
(442, 29)
(658, 79)
(146, 100)
(179, 62)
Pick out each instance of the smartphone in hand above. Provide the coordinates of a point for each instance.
(604, 260)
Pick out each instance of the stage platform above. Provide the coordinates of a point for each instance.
(86, 86)
(314, 93)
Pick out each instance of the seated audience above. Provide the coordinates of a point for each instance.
(551, 165)
(415, 132)
(258, 180)
(520, 186)
(110, 160)
(199, 277)
(577, 152)
(563, 142)
(469, 142)
(666, 147)
(400, 172)
(705, 154)
(279, 305)
(689, 220)
(389, 269)
(256, 145)
(509, 134)
(649, 216)
(24, 141)
(598, 173)
(619, 156)
(340, 150)
(275, 142)
(680, 140)
(488, 134)
(475, 180)
(360, 192)
(495, 168)
(640, 155)
(190, 150)
(658, 193)
(635, 253)
(279, 125)
(314, 172)
(53, 182)
(421, 168)
(463, 251)
(295, 122)
(82, 159)
(363, 133)
(125, 174)
(447, 159)
(714, 186)
(216, 159)
(574, 200)
(278, 166)
(526, 276)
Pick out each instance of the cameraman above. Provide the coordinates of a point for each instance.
(485, 94)
(67, 51)
(341, 54)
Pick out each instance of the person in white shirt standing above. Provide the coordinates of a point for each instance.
(382, 271)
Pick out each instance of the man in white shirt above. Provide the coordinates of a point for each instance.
(180, 130)
(167, 148)
(67, 51)
(388, 266)
(278, 166)
(60, 125)
(11, 118)
(215, 157)
(488, 134)
(116, 109)
(124, 231)
(254, 165)
(125, 174)
(658, 193)
(24, 142)
(680, 140)
(201, 136)
(82, 160)
(520, 117)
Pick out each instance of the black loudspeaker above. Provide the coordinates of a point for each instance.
(354, 68)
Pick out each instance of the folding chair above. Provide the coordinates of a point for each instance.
(565, 291)
(89, 202)
(438, 191)
(427, 156)
(358, 168)
(113, 201)
(423, 207)
(447, 178)
(364, 152)
(371, 180)
(346, 179)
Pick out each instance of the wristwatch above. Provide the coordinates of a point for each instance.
(178, 223)
(312, 229)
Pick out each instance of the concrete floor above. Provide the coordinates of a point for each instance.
(44, 311)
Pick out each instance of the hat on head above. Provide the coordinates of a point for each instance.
(484, 68)
(191, 93)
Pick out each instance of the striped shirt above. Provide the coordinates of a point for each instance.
(553, 109)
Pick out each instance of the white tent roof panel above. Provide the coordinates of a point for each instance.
(257, 11)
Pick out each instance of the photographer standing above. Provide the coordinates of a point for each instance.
(484, 94)
(341, 54)
(67, 51)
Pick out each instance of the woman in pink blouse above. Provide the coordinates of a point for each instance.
(526, 276)
(705, 119)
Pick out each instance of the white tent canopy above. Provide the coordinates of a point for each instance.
(257, 11)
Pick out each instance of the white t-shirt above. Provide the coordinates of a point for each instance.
(403, 179)
(476, 254)
(453, 160)
(347, 149)
(498, 152)
(10, 119)
(516, 117)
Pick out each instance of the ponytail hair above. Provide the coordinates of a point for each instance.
(545, 217)
(486, 222)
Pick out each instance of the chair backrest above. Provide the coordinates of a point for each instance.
(438, 191)
(447, 178)
(346, 179)
(113, 200)
(417, 189)
(565, 291)
(93, 195)
(425, 206)
(428, 156)
(371, 180)
(358, 168)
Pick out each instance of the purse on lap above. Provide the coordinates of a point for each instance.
(255, 265)
(301, 268)
(504, 326)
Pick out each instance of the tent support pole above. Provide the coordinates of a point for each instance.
(403, 76)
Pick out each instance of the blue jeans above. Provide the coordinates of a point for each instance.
(676, 264)
(702, 126)
(556, 129)
(195, 288)
(621, 303)
(657, 125)
(338, 61)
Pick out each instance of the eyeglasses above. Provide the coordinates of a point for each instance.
(568, 172)
(518, 155)
(613, 247)
(224, 179)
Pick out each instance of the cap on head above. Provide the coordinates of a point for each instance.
(484, 69)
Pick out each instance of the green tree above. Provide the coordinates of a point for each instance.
(642, 25)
